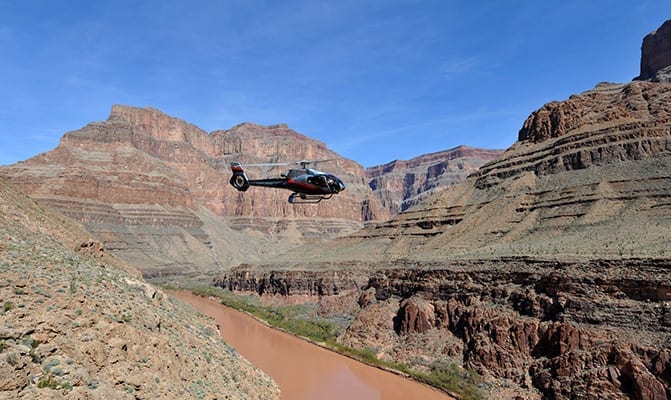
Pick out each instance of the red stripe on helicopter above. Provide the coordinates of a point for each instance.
(303, 184)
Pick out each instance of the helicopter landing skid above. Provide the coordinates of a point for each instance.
(298, 198)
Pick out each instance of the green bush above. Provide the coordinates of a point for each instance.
(12, 358)
(294, 319)
(48, 381)
(454, 379)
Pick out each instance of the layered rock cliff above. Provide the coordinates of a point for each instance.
(656, 55)
(589, 177)
(155, 190)
(598, 329)
(533, 328)
(548, 270)
(403, 183)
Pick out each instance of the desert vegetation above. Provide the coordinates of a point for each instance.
(303, 320)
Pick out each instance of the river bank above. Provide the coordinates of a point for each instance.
(303, 370)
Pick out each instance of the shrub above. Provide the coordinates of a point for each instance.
(12, 359)
(48, 381)
(293, 319)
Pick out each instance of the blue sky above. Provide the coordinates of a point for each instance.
(374, 80)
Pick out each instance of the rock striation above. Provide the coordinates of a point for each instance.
(536, 328)
(548, 270)
(154, 189)
(566, 336)
(76, 326)
(402, 183)
(585, 174)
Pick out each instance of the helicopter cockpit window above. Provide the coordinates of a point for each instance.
(321, 181)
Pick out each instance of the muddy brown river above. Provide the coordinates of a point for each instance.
(303, 370)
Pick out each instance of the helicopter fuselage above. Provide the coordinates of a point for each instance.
(307, 183)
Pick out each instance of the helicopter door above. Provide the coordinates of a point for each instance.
(320, 180)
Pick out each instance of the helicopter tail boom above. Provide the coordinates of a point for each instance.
(240, 181)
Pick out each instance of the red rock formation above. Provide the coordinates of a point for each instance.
(594, 166)
(250, 143)
(548, 269)
(403, 183)
(415, 315)
(656, 52)
(601, 108)
(154, 189)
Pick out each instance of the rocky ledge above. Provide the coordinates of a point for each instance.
(538, 328)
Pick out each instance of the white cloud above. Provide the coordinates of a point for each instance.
(457, 67)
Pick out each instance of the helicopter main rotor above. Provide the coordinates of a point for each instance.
(303, 163)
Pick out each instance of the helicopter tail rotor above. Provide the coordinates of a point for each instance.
(239, 179)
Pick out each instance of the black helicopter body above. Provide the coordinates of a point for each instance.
(308, 185)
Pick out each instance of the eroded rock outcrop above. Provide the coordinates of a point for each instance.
(548, 270)
(289, 283)
(585, 173)
(550, 329)
(656, 55)
(402, 183)
(530, 323)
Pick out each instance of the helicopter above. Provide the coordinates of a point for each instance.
(308, 185)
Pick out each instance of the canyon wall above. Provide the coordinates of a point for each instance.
(154, 189)
(548, 270)
(402, 183)
(589, 177)
(533, 328)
